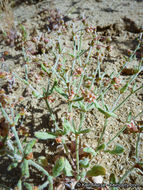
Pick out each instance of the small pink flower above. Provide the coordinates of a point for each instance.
(132, 126)
(46, 40)
(88, 96)
(117, 80)
(71, 94)
(51, 99)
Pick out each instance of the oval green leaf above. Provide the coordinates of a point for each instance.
(59, 166)
(118, 149)
(44, 135)
(89, 150)
(96, 171)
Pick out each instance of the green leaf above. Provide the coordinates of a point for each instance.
(82, 174)
(43, 161)
(129, 117)
(16, 118)
(44, 135)
(29, 146)
(96, 104)
(101, 147)
(71, 55)
(44, 68)
(19, 185)
(77, 99)
(107, 113)
(11, 166)
(36, 94)
(24, 32)
(59, 90)
(83, 131)
(28, 186)
(90, 150)
(82, 107)
(53, 87)
(59, 166)
(58, 133)
(67, 127)
(112, 180)
(67, 168)
(124, 88)
(25, 168)
(118, 149)
(96, 171)
(84, 163)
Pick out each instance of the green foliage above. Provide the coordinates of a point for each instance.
(58, 167)
(118, 149)
(44, 135)
(90, 150)
(70, 80)
(96, 171)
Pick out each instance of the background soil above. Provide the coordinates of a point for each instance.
(122, 20)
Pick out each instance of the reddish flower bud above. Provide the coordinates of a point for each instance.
(58, 140)
(132, 127)
(5, 53)
(29, 156)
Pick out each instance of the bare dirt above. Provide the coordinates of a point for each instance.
(122, 21)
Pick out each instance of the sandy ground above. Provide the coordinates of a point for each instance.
(122, 20)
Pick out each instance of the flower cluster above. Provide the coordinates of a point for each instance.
(88, 95)
(4, 99)
(117, 82)
(132, 127)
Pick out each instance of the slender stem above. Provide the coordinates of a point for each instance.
(17, 138)
(50, 179)
(138, 114)
(56, 63)
(68, 154)
(18, 158)
(82, 117)
(116, 135)
(12, 128)
(103, 93)
(82, 75)
(104, 128)
(77, 154)
(74, 61)
(44, 185)
(125, 175)
(138, 145)
(98, 66)
(10, 145)
(131, 57)
(109, 86)
(5, 114)
(127, 98)
(11, 154)
(80, 82)
(52, 115)
(26, 72)
(117, 100)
